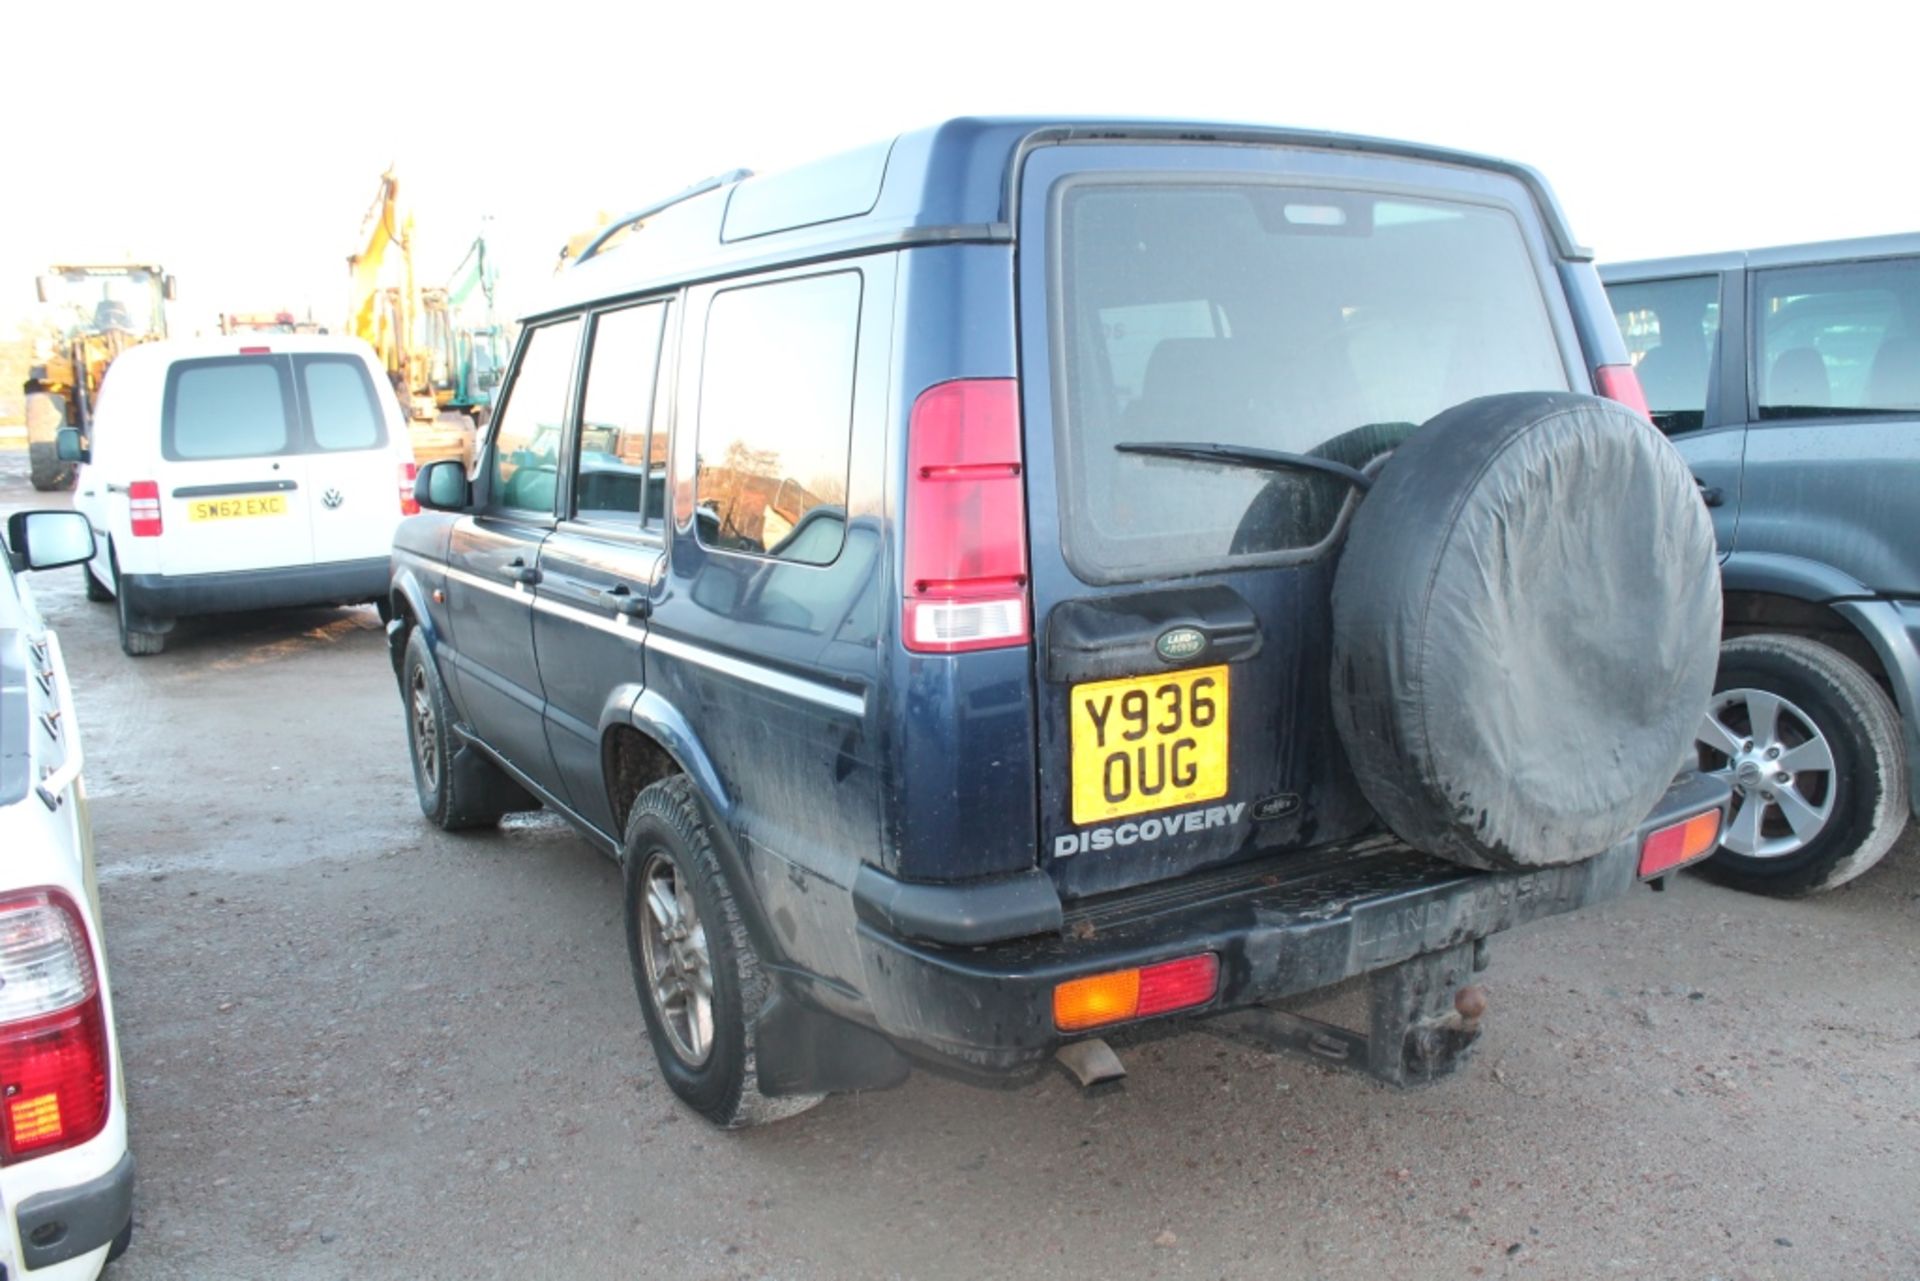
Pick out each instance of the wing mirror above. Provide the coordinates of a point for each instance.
(49, 539)
(442, 486)
(69, 448)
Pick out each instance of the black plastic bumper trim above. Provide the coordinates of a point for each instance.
(968, 914)
(345, 582)
(77, 1220)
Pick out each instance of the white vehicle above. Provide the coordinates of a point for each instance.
(250, 472)
(66, 1176)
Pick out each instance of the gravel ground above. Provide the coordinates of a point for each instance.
(358, 1047)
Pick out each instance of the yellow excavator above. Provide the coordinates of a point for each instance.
(90, 314)
(384, 308)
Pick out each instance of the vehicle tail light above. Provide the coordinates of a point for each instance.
(1621, 383)
(1100, 999)
(53, 1028)
(408, 507)
(966, 520)
(143, 506)
(1679, 843)
(256, 351)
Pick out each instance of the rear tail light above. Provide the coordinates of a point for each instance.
(143, 505)
(256, 351)
(1679, 843)
(966, 521)
(1619, 382)
(408, 507)
(53, 1028)
(1100, 999)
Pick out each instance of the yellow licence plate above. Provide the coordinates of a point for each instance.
(238, 506)
(1149, 743)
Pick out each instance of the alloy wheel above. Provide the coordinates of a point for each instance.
(1781, 768)
(426, 748)
(679, 965)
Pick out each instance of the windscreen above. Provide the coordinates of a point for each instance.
(1285, 318)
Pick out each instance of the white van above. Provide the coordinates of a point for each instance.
(240, 473)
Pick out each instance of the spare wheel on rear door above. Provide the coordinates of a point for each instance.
(1526, 626)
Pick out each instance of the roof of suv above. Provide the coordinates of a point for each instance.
(1819, 251)
(942, 184)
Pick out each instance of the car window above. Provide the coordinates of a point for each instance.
(341, 403)
(776, 417)
(611, 475)
(225, 407)
(525, 451)
(1306, 320)
(1670, 328)
(1841, 339)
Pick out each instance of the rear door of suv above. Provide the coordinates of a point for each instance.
(1306, 300)
(234, 487)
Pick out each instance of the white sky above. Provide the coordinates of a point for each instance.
(239, 144)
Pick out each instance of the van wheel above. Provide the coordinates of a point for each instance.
(1811, 745)
(459, 789)
(97, 591)
(137, 638)
(699, 978)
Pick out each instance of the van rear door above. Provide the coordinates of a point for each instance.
(356, 473)
(1198, 309)
(234, 489)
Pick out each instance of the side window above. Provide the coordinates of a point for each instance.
(340, 402)
(1838, 340)
(610, 480)
(525, 453)
(776, 417)
(1670, 327)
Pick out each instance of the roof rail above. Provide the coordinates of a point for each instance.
(621, 223)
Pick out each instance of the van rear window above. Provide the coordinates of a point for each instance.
(1243, 313)
(225, 407)
(340, 403)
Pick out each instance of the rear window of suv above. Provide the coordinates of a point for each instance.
(1285, 318)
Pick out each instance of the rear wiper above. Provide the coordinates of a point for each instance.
(1246, 456)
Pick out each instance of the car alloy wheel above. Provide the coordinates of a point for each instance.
(1780, 766)
(426, 744)
(679, 965)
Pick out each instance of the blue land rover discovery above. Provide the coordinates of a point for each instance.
(1029, 576)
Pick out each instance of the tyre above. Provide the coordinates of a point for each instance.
(138, 637)
(46, 415)
(1526, 615)
(695, 968)
(458, 788)
(1812, 746)
(97, 591)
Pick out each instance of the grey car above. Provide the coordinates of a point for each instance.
(1789, 378)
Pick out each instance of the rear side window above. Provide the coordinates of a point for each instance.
(1671, 328)
(525, 455)
(617, 472)
(226, 407)
(1303, 320)
(1839, 340)
(341, 404)
(776, 417)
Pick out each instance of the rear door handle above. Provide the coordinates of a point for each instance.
(626, 604)
(521, 572)
(1711, 495)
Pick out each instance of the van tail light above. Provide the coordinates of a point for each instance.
(966, 520)
(1621, 383)
(408, 507)
(53, 1028)
(143, 506)
(1679, 843)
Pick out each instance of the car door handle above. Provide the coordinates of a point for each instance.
(1711, 495)
(626, 604)
(521, 572)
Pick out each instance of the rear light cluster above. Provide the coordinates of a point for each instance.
(966, 520)
(1679, 843)
(53, 1028)
(1621, 383)
(1100, 999)
(408, 507)
(143, 505)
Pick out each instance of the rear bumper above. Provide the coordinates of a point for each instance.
(77, 1220)
(347, 582)
(1281, 927)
